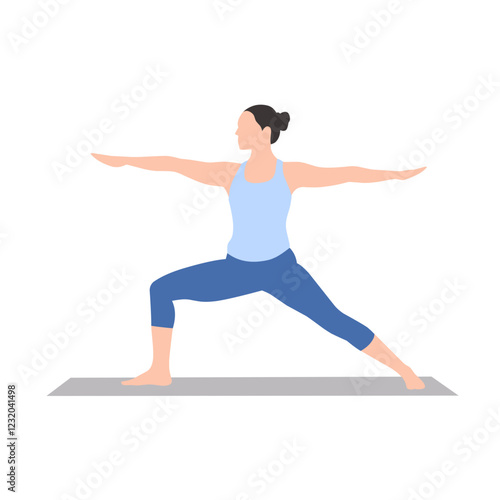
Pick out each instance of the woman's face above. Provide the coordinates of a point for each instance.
(250, 135)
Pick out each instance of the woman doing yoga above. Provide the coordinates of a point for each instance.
(258, 257)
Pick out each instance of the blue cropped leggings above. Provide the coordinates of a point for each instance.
(281, 277)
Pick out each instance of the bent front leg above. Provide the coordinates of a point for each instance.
(206, 282)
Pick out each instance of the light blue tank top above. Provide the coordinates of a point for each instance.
(259, 213)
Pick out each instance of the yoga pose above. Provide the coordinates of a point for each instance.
(258, 257)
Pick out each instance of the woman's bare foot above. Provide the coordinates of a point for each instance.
(411, 380)
(151, 377)
(379, 351)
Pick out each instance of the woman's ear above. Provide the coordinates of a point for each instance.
(267, 133)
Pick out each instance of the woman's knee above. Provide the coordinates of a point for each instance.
(162, 306)
(160, 287)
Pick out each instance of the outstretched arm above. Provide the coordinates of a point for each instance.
(303, 175)
(215, 173)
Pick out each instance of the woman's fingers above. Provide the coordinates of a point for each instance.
(113, 161)
(412, 173)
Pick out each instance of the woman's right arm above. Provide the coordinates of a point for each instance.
(214, 173)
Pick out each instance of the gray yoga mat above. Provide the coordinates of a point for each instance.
(254, 386)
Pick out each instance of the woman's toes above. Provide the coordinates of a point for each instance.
(414, 382)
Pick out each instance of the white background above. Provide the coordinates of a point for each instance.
(61, 237)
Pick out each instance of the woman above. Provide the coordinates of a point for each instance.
(258, 257)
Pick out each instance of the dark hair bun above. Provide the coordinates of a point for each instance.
(282, 120)
(266, 116)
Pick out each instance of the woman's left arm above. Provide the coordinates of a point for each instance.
(304, 175)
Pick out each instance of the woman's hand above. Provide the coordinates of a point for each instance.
(406, 174)
(112, 161)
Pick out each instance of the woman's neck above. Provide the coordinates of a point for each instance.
(262, 156)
